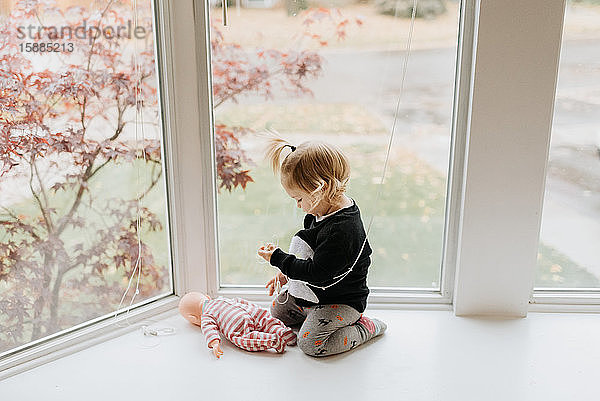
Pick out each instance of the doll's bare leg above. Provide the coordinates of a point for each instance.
(284, 308)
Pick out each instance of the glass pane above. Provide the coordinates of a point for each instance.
(331, 70)
(81, 167)
(569, 256)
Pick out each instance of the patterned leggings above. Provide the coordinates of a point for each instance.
(326, 329)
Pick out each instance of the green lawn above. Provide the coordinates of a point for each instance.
(556, 270)
(325, 118)
(406, 235)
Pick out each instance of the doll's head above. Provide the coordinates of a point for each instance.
(315, 174)
(190, 306)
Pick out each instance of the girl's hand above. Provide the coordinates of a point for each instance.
(266, 251)
(271, 283)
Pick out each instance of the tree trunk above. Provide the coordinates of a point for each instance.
(40, 302)
(53, 325)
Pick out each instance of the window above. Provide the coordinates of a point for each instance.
(568, 256)
(334, 73)
(83, 217)
(506, 75)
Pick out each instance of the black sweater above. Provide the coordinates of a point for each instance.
(335, 241)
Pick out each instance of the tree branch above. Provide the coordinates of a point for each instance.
(43, 191)
(67, 217)
(88, 172)
(15, 218)
(99, 167)
(89, 62)
(248, 87)
(37, 198)
(118, 131)
(50, 107)
(10, 212)
(154, 181)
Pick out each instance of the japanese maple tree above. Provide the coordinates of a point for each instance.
(45, 119)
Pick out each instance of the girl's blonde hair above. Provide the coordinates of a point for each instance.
(314, 167)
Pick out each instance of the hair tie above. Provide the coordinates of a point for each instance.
(291, 147)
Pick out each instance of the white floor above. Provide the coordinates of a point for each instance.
(424, 355)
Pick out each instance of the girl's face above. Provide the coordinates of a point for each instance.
(304, 200)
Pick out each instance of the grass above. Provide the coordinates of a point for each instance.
(406, 235)
(556, 270)
(324, 118)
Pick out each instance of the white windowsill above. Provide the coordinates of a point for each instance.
(424, 355)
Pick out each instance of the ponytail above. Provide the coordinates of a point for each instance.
(275, 146)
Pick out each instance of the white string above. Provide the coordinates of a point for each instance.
(146, 330)
(387, 155)
(138, 113)
(137, 267)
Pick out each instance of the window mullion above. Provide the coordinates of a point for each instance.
(193, 149)
(514, 79)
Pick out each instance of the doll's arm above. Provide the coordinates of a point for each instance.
(210, 329)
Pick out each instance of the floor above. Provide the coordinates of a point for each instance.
(424, 355)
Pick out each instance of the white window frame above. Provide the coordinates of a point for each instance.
(412, 298)
(481, 277)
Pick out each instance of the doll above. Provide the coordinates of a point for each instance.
(246, 325)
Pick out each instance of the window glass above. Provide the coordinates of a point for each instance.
(83, 223)
(331, 70)
(569, 256)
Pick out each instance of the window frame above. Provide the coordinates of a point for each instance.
(409, 297)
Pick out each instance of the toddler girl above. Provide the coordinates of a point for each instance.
(315, 174)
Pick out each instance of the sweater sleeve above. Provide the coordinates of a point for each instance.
(332, 257)
(209, 328)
